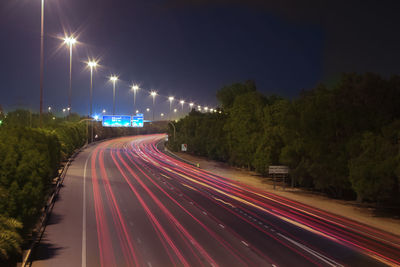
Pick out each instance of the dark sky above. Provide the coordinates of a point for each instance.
(191, 48)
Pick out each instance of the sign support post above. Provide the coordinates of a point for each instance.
(273, 177)
(279, 170)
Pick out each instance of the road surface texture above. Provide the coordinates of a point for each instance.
(125, 203)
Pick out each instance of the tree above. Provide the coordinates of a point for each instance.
(374, 173)
(270, 145)
(243, 127)
(10, 239)
(227, 95)
(340, 140)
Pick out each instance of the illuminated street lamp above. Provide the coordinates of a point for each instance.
(104, 111)
(182, 102)
(199, 108)
(114, 80)
(137, 111)
(153, 94)
(91, 65)
(206, 109)
(70, 41)
(49, 109)
(191, 106)
(147, 109)
(135, 88)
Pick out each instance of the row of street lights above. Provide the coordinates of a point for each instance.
(70, 41)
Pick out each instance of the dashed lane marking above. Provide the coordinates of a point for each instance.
(245, 243)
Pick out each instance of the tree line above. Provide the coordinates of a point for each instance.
(29, 160)
(342, 140)
(30, 157)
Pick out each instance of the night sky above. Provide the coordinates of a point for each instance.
(190, 48)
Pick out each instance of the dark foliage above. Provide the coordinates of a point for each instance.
(343, 141)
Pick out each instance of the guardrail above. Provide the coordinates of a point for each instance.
(37, 237)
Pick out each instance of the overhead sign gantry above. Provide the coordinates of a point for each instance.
(123, 121)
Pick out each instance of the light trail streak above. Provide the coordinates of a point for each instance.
(119, 222)
(151, 215)
(103, 234)
(311, 222)
(162, 185)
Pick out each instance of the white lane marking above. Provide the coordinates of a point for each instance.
(221, 226)
(205, 213)
(245, 243)
(139, 241)
(84, 216)
(149, 264)
(323, 258)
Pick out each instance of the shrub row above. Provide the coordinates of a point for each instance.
(29, 160)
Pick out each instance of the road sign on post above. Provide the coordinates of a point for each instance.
(278, 171)
(184, 147)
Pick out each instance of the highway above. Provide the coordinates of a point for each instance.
(126, 203)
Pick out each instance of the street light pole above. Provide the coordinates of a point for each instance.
(182, 102)
(134, 88)
(70, 41)
(153, 94)
(70, 78)
(113, 97)
(113, 79)
(91, 89)
(91, 64)
(41, 62)
(171, 98)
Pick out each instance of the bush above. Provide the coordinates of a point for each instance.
(29, 160)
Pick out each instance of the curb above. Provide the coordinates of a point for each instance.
(167, 151)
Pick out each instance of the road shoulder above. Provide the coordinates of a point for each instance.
(347, 209)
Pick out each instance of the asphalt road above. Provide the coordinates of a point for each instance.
(125, 203)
